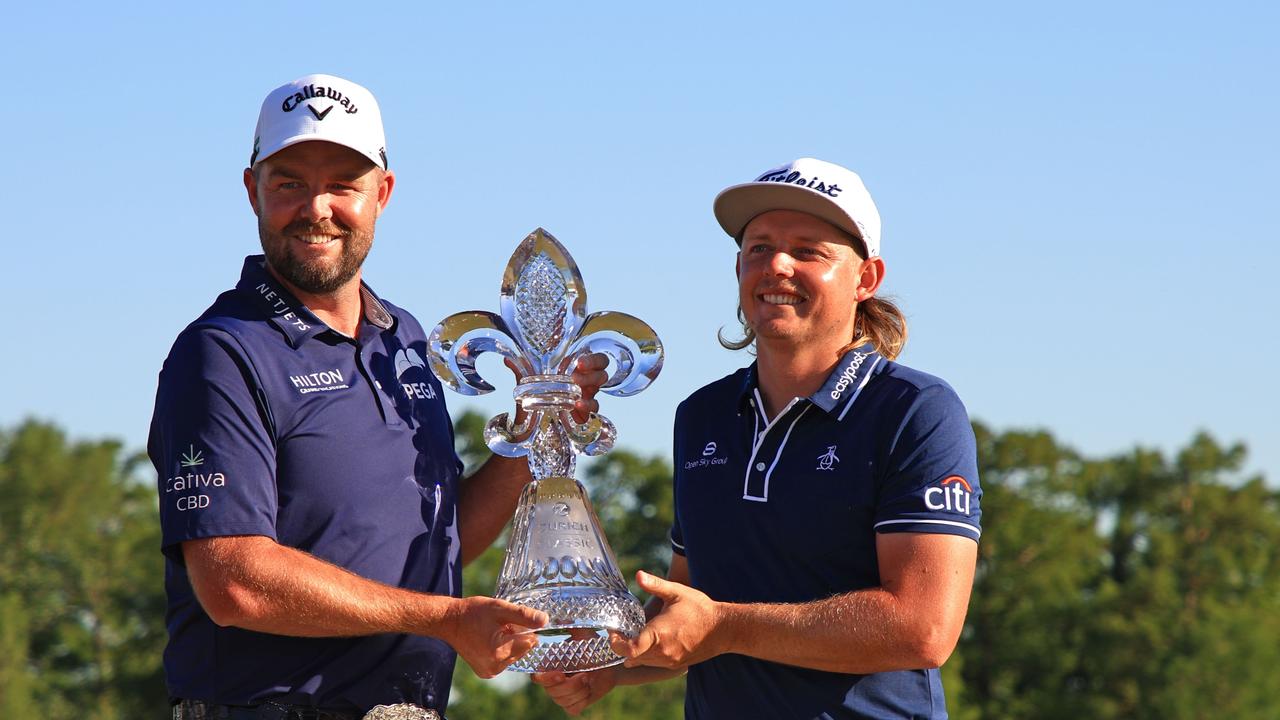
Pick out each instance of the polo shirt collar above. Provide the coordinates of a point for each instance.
(848, 378)
(837, 393)
(286, 312)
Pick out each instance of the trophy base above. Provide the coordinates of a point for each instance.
(577, 636)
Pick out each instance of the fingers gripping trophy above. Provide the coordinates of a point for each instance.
(558, 559)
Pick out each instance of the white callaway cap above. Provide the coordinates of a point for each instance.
(320, 107)
(822, 189)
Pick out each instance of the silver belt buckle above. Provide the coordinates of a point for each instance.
(401, 711)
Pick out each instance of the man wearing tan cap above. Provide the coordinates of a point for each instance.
(314, 519)
(826, 497)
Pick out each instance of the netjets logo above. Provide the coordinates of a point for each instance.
(407, 360)
(849, 375)
(953, 494)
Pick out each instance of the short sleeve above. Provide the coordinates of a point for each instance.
(676, 535)
(930, 483)
(210, 443)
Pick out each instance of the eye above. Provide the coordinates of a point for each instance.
(289, 185)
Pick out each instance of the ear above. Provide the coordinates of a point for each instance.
(251, 186)
(870, 275)
(385, 187)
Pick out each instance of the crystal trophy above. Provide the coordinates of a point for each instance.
(558, 559)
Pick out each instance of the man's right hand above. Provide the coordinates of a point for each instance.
(576, 692)
(490, 634)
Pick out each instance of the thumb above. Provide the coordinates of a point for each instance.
(655, 585)
(525, 617)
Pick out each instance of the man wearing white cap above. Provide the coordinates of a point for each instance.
(313, 515)
(826, 497)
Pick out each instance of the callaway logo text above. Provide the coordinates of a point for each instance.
(312, 91)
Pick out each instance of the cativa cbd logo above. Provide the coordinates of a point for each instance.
(187, 487)
(953, 494)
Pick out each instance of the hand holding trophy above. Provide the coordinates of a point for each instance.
(558, 559)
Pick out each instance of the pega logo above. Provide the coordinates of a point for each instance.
(406, 360)
(794, 178)
(311, 92)
(848, 375)
(953, 494)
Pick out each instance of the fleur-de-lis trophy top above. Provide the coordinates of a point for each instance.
(558, 559)
(542, 330)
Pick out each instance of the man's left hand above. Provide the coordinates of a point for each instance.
(687, 631)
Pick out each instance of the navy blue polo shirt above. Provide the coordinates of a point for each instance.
(787, 511)
(267, 422)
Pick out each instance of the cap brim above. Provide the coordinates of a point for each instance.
(737, 205)
(315, 137)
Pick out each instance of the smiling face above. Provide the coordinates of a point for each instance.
(317, 204)
(799, 282)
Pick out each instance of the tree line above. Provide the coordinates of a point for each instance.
(1139, 585)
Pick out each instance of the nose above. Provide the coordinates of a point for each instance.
(781, 264)
(317, 208)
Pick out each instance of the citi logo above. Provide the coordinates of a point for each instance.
(953, 494)
(848, 375)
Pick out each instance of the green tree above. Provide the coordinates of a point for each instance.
(1125, 587)
(81, 593)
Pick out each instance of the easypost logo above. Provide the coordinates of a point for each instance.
(849, 375)
(953, 494)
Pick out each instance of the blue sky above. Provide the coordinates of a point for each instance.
(1078, 199)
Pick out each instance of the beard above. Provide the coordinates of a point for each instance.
(317, 277)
